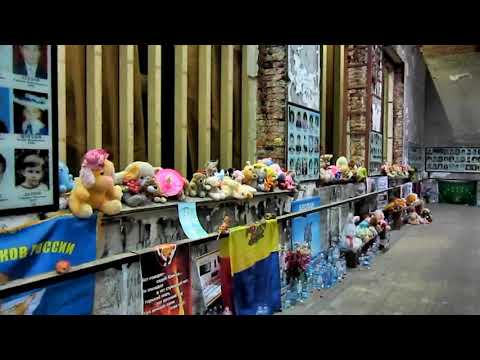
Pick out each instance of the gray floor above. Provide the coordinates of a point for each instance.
(430, 269)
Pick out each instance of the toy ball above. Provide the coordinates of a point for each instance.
(62, 267)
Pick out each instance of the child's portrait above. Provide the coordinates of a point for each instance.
(298, 123)
(4, 110)
(305, 121)
(30, 61)
(291, 117)
(30, 112)
(31, 169)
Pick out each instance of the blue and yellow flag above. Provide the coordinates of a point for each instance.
(36, 249)
(251, 257)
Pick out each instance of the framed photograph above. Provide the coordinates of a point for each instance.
(303, 146)
(376, 154)
(454, 159)
(28, 129)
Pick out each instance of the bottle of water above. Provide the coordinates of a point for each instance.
(334, 274)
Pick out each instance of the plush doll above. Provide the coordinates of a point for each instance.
(220, 175)
(348, 239)
(269, 183)
(233, 189)
(197, 186)
(342, 165)
(211, 168)
(414, 218)
(249, 175)
(172, 183)
(135, 171)
(383, 225)
(65, 179)
(238, 176)
(94, 188)
(427, 215)
(266, 161)
(261, 181)
(151, 189)
(361, 174)
(214, 188)
(65, 182)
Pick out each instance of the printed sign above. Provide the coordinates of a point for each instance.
(208, 267)
(416, 158)
(306, 230)
(187, 212)
(166, 281)
(452, 159)
(28, 129)
(303, 156)
(376, 154)
(37, 249)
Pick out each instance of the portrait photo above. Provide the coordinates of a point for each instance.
(3, 168)
(31, 169)
(291, 117)
(30, 112)
(5, 59)
(31, 61)
(4, 110)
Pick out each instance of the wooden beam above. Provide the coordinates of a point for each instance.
(62, 106)
(126, 67)
(323, 97)
(204, 103)
(154, 105)
(181, 89)
(94, 96)
(249, 102)
(226, 111)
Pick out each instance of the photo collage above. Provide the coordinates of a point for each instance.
(453, 159)
(303, 154)
(25, 127)
(376, 154)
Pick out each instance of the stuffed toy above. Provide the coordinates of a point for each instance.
(348, 239)
(220, 175)
(94, 189)
(342, 165)
(382, 223)
(411, 199)
(134, 171)
(65, 182)
(197, 186)
(214, 188)
(266, 161)
(151, 188)
(361, 174)
(249, 175)
(427, 215)
(261, 181)
(172, 183)
(233, 189)
(269, 184)
(414, 218)
(285, 181)
(395, 204)
(211, 168)
(238, 176)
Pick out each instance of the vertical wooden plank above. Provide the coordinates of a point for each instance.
(215, 112)
(226, 112)
(204, 103)
(154, 104)
(94, 96)
(62, 105)
(249, 102)
(369, 106)
(323, 97)
(126, 65)
(237, 107)
(343, 115)
(192, 109)
(181, 88)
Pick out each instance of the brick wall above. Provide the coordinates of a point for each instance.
(272, 101)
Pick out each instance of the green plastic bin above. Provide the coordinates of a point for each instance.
(457, 192)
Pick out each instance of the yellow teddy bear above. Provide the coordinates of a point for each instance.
(94, 189)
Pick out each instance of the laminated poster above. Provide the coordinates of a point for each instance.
(166, 284)
(208, 267)
(306, 229)
(187, 212)
(28, 129)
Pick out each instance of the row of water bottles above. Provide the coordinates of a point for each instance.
(323, 272)
(366, 259)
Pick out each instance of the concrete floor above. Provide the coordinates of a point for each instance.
(429, 269)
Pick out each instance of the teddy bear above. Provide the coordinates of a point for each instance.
(233, 189)
(145, 192)
(214, 188)
(197, 186)
(249, 175)
(427, 215)
(414, 218)
(94, 189)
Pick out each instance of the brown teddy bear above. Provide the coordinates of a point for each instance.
(198, 186)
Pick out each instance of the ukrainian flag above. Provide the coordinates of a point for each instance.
(251, 270)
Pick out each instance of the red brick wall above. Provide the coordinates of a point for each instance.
(272, 102)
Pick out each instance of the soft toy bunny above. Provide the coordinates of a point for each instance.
(94, 188)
